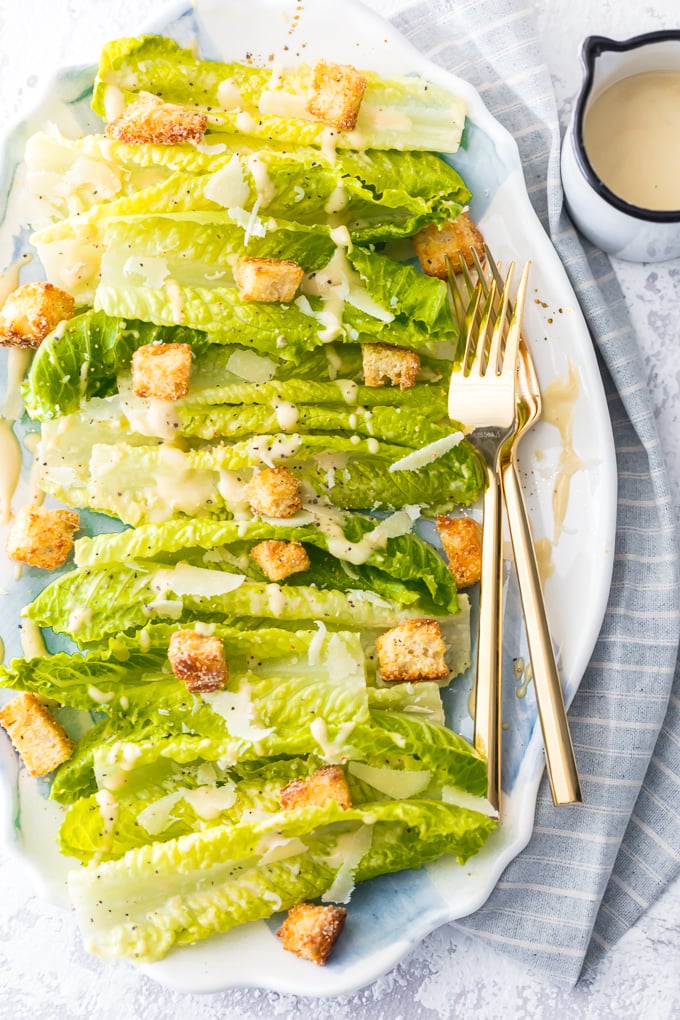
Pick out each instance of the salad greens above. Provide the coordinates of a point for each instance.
(172, 797)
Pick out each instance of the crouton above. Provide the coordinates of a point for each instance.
(274, 492)
(462, 541)
(383, 361)
(311, 931)
(41, 741)
(161, 371)
(150, 121)
(337, 92)
(412, 651)
(323, 786)
(278, 559)
(198, 660)
(31, 312)
(457, 237)
(41, 537)
(267, 279)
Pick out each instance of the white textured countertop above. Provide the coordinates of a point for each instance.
(44, 972)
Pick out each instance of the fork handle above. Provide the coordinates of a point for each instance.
(559, 751)
(487, 738)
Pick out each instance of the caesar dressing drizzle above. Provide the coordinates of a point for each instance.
(559, 398)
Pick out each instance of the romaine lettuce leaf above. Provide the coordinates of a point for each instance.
(220, 877)
(401, 113)
(82, 360)
(152, 483)
(389, 546)
(128, 596)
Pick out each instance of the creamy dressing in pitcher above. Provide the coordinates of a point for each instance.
(631, 133)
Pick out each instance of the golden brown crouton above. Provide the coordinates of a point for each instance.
(161, 371)
(41, 741)
(278, 559)
(41, 537)
(267, 279)
(150, 121)
(31, 312)
(274, 492)
(412, 651)
(382, 362)
(462, 541)
(323, 786)
(311, 932)
(457, 237)
(337, 91)
(198, 660)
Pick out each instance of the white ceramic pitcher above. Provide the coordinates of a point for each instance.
(613, 224)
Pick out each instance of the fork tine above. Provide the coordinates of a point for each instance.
(491, 263)
(512, 341)
(465, 271)
(456, 299)
(497, 355)
(477, 343)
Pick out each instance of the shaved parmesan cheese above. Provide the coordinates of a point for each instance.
(297, 521)
(286, 414)
(238, 712)
(172, 608)
(245, 122)
(316, 644)
(273, 847)
(114, 102)
(429, 453)
(350, 850)
(229, 95)
(208, 802)
(263, 183)
(283, 104)
(249, 222)
(174, 292)
(452, 795)
(156, 817)
(332, 751)
(152, 268)
(187, 580)
(100, 178)
(227, 187)
(251, 366)
(210, 150)
(395, 783)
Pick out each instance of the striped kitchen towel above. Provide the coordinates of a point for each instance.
(589, 871)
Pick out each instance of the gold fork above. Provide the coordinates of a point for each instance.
(559, 751)
(482, 395)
